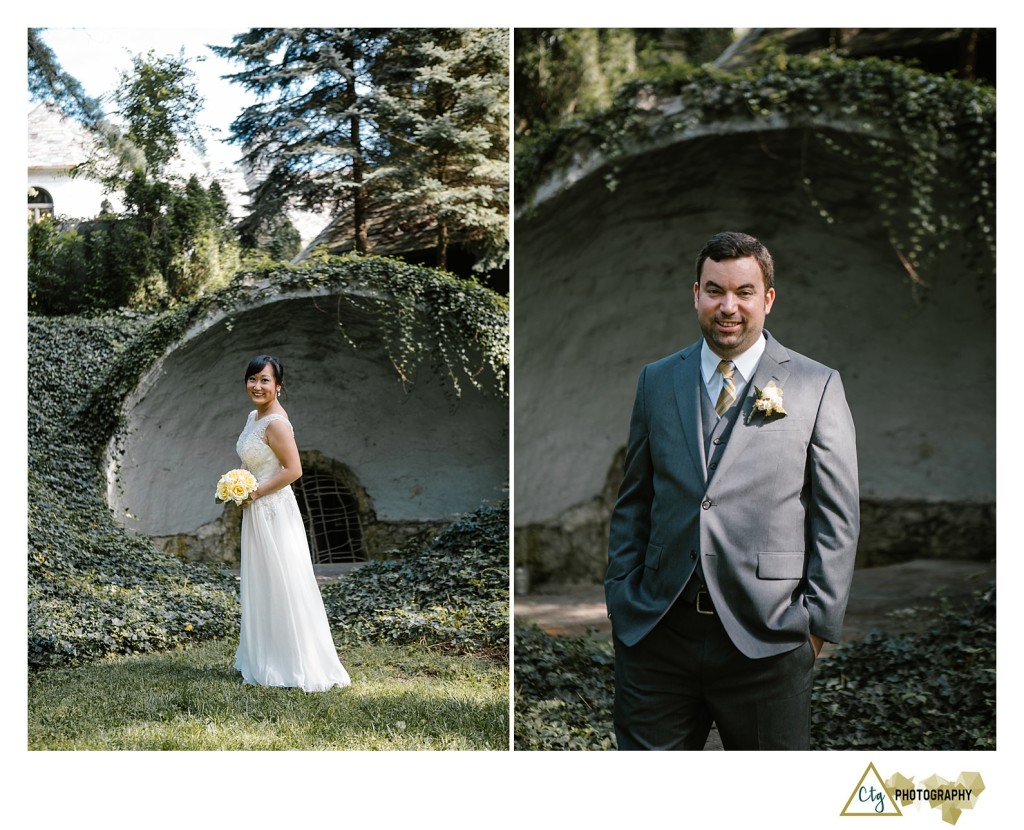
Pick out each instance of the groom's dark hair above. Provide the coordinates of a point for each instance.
(257, 363)
(732, 245)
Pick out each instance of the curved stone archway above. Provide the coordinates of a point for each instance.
(419, 460)
(604, 272)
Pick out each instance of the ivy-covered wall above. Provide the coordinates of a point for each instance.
(858, 179)
(373, 352)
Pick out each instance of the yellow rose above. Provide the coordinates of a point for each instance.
(235, 485)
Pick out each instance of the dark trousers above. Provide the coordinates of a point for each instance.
(686, 674)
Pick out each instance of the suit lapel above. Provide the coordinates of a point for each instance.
(687, 391)
(771, 367)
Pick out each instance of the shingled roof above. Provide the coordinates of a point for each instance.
(55, 142)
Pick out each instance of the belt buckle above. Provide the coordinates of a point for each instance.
(710, 612)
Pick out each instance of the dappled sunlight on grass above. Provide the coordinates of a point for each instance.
(402, 698)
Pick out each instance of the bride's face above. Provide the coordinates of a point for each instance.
(262, 387)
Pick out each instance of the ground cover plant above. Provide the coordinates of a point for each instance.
(95, 589)
(564, 688)
(453, 595)
(933, 689)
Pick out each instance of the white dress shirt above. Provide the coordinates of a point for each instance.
(744, 365)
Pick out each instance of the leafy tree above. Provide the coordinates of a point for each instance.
(158, 102)
(563, 73)
(174, 238)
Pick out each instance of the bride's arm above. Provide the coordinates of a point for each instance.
(282, 442)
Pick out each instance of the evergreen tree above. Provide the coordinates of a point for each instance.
(397, 128)
(442, 103)
(47, 81)
(307, 139)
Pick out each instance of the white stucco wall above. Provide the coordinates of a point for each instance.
(416, 458)
(603, 285)
(78, 198)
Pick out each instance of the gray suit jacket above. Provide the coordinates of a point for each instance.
(775, 524)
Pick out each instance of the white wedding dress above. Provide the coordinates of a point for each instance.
(285, 639)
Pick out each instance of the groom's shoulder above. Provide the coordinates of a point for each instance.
(799, 363)
(669, 362)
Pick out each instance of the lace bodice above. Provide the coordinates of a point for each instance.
(256, 454)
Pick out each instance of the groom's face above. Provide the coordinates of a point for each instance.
(731, 304)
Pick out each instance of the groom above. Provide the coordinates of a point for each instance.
(733, 538)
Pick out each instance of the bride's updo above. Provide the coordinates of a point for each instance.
(258, 362)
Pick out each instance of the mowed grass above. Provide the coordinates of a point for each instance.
(401, 698)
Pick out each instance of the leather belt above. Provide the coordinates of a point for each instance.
(703, 603)
(696, 594)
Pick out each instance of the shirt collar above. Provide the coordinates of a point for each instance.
(745, 363)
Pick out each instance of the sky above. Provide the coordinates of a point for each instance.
(97, 56)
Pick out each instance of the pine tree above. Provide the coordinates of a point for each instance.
(398, 128)
(48, 81)
(442, 103)
(307, 139)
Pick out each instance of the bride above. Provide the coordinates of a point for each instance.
(285, 639)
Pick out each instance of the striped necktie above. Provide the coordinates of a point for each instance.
(727, 397)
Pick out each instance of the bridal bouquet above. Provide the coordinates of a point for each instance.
(236, 486)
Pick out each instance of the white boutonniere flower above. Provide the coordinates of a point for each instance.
(767, 401)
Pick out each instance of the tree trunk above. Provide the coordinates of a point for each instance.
(359, 201)
(442, 244)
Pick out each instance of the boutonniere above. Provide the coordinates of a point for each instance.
(767, 401)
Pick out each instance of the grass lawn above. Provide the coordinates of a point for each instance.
(401, 698)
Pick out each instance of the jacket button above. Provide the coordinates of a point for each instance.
(712, 465)
(693, 554)
(706, 504)
(717, 441)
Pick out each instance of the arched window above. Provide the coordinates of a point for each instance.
(40, 204)
(330, 512)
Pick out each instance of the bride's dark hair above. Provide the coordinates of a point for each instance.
(257, 363)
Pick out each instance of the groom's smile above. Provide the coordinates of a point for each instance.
(731, 304)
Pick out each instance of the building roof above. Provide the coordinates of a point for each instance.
(55, 142)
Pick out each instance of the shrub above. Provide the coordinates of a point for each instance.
(933, 690)
(452, 595)
(930, 690)
(95, 588)
(172, 245)
(564, 691)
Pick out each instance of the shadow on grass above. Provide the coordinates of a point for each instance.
(402, 698)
